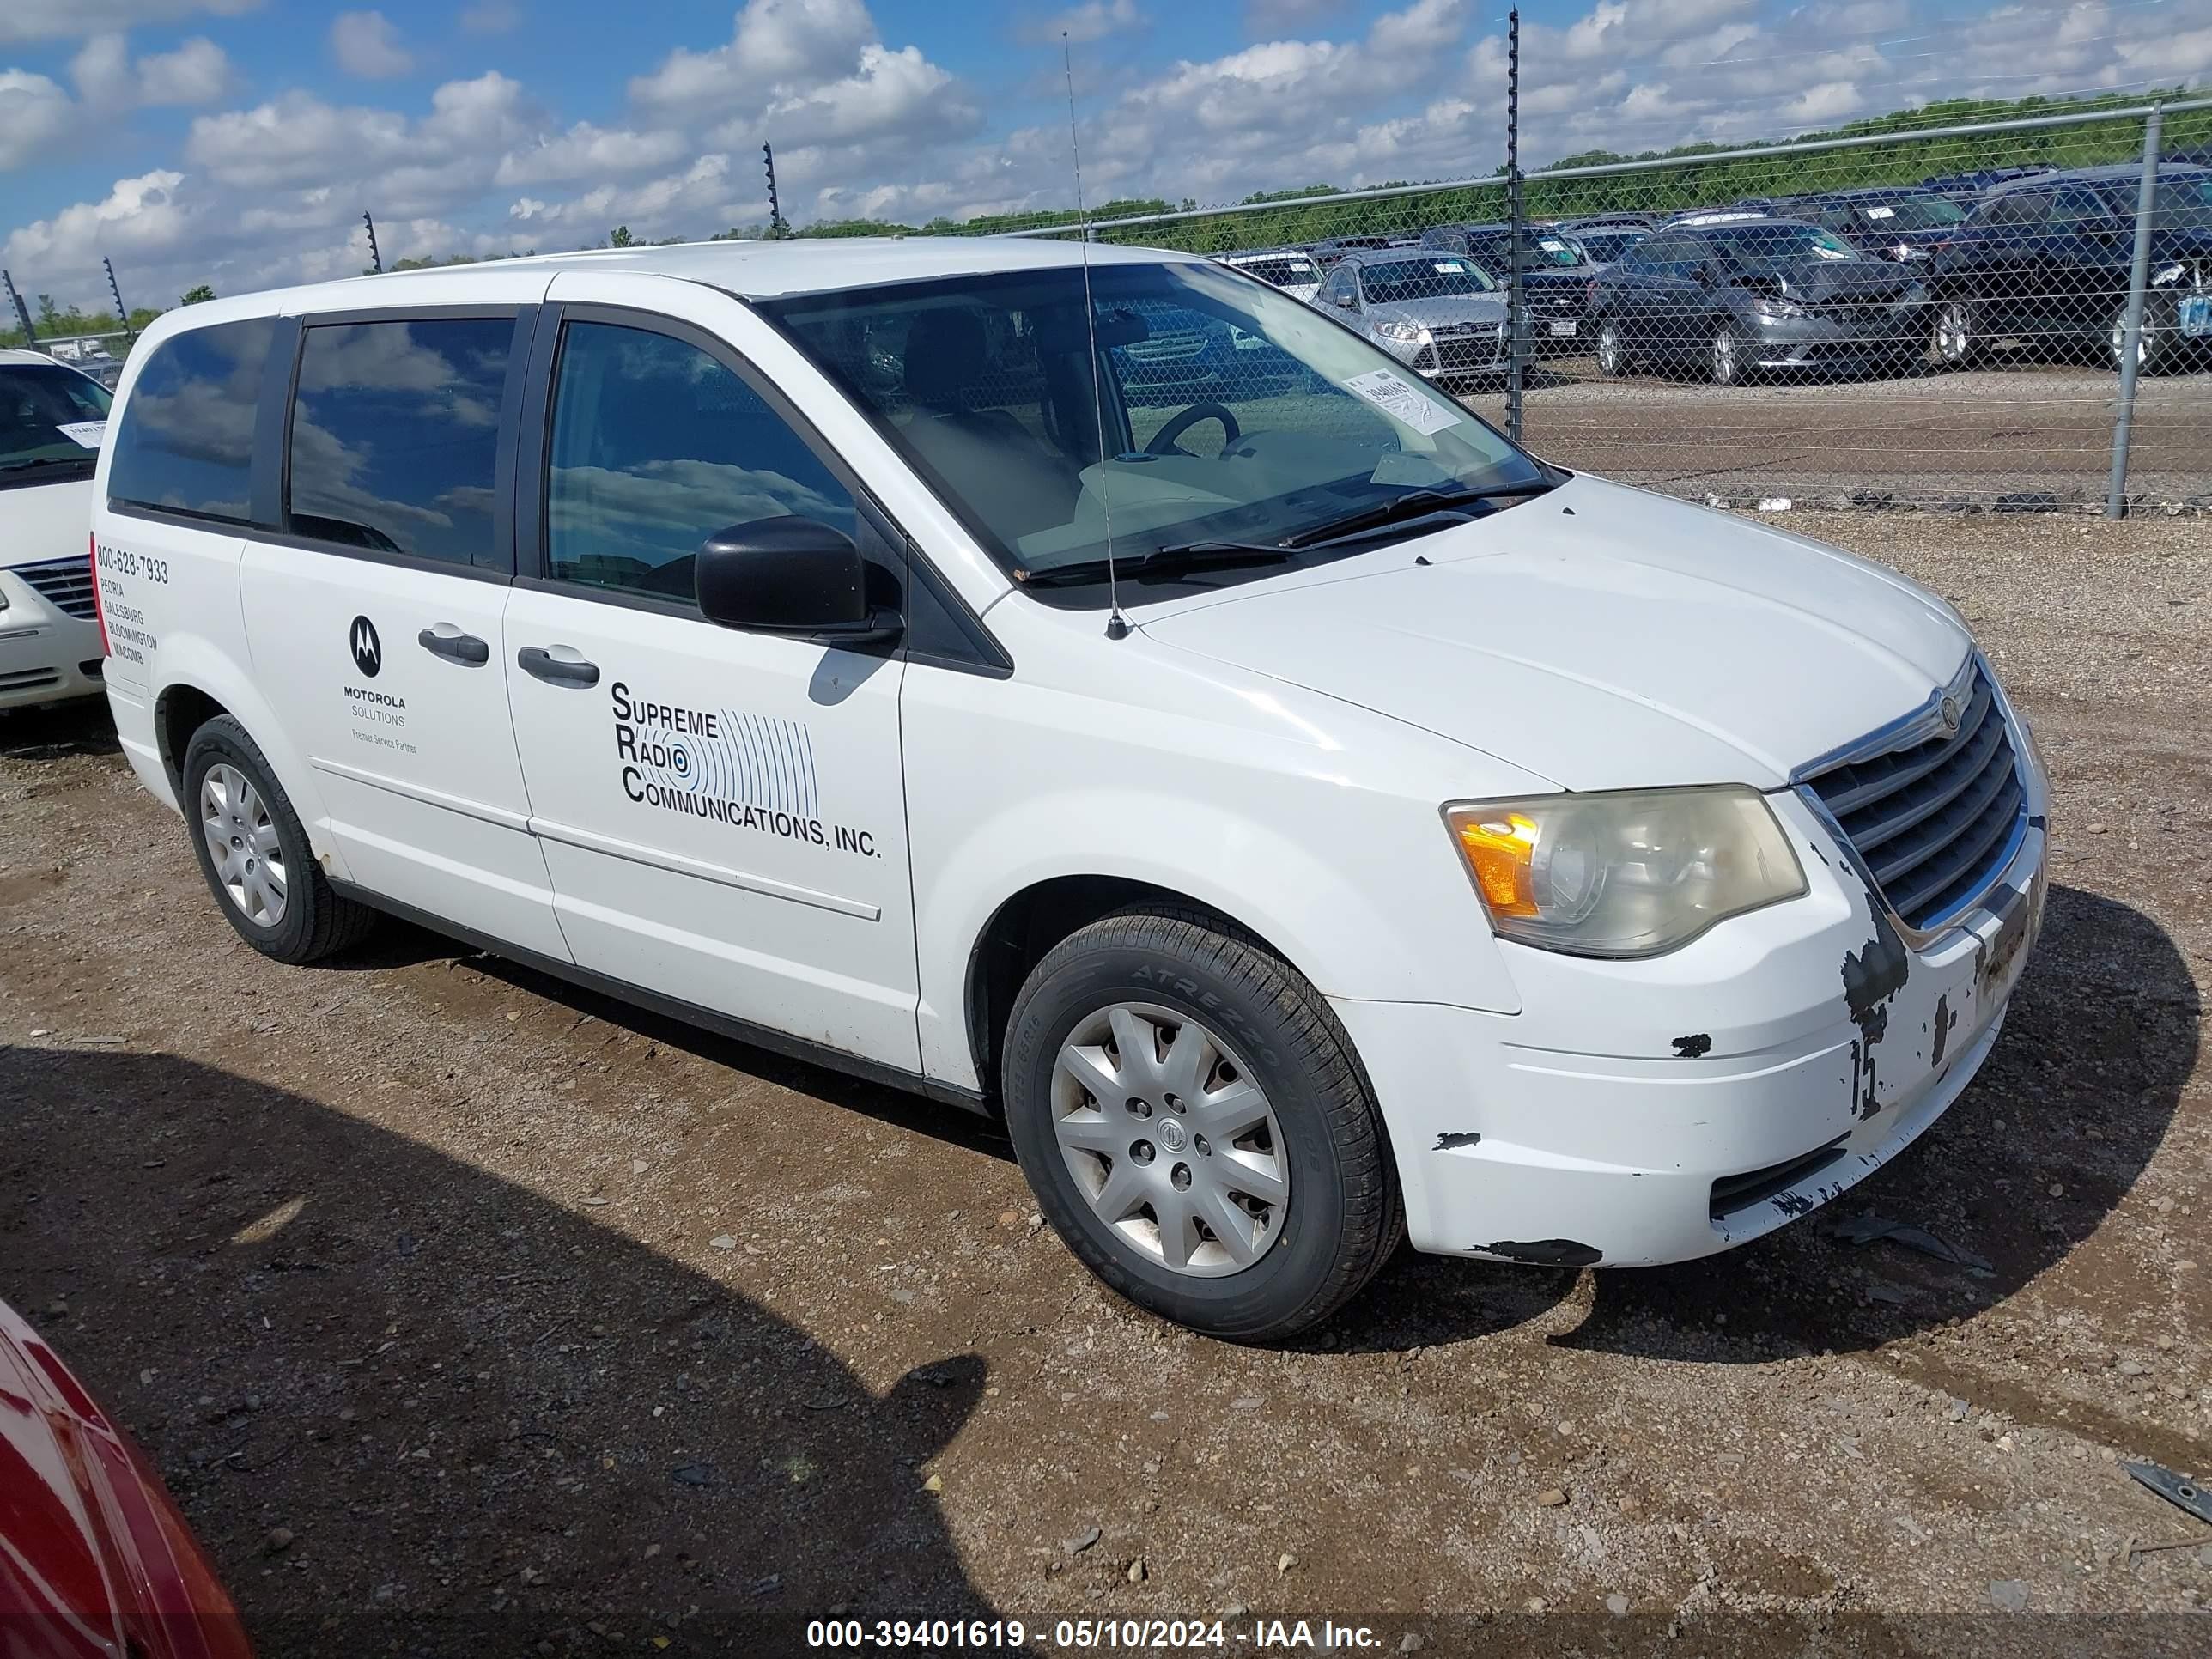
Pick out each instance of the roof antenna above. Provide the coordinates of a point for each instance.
(1117, 625)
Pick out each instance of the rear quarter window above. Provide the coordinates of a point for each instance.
(185, 443)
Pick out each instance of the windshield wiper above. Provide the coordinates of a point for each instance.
(31, 461)
(1414, 504)
(1162, 562)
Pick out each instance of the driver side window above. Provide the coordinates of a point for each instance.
(656, 444)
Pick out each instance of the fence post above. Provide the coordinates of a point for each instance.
(2115, 492)
(1513, 354)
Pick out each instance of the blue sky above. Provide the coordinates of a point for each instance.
(237, 143)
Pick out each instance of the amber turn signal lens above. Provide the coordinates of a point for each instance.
(1500, 848)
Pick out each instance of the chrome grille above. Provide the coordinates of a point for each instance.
(1168, 346)
(65, 584)
(1934, 823)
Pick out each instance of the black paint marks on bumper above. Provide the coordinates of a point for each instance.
(1547, 1252)
(1696, 1046)
(1453, 1142)
(1872, 976)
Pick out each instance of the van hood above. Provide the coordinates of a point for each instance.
(45, 521)
(1444, 310)
(1602, 638)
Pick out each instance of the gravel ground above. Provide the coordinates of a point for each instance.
(2015, 429)
(463, 1312)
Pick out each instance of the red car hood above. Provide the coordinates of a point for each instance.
(95, 1560)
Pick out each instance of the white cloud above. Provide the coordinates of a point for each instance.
(1093, 20)
(366, 46)
(491, 17)
(65, 20)
(35, 114)
(196, 72)
(585, 151)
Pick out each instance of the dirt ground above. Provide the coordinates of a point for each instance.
(466, 1313)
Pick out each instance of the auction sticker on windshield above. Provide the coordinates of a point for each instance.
(86, 433)
(1400, 402)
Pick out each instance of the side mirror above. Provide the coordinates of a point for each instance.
(788, 575)
(1341, 298)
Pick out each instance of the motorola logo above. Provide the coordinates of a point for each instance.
(367, 649)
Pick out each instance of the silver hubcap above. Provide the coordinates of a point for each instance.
(1170, 1138)
(1608, 348)
(249, 860)
(2120, 340)
(1724, 356)
(1951, 333)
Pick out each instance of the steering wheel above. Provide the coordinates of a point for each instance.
(1163, 440)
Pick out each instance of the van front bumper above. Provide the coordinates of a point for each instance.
(1635, 1112)
(45, 654)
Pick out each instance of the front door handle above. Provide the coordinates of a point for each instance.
(455, 646)
(540, 664)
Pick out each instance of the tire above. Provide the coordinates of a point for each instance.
(2150, 345)
(1725, 355)
(1264, 1034)
(1954, 339)
(1613, 358)
(270, 888)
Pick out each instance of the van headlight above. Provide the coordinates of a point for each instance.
(1777, 310)
(1630, 873)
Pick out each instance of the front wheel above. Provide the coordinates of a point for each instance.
(1957, 335)
(1612, 359)
(2150, 344)
(1196, 1126)
(1726, 355)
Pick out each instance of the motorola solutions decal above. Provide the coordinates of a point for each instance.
(377, 715)
(748, 771)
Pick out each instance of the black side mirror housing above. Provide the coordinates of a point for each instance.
(789, 575)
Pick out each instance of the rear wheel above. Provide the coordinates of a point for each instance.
(254, 853)
(1197, 1128)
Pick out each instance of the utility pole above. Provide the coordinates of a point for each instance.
(122, 317)
(1513, 213)
(775, 225)
(375, 257)
(22, 313)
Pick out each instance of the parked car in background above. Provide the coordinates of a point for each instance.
(1603, 244)
(1966, 188)
(89, 356)
(1883, 222)
(1734, 293)
(1439, 313)
(1289, 269)
(1555, 275)
(1328, 251)
(2048, 260)
(1624, 220)
(95, 1560)
(51, 421)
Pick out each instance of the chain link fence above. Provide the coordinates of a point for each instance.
(2009, 317)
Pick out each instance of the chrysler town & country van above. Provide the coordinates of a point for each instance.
(1306, 817)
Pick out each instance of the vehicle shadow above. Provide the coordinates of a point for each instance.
(411, 1407)
(80, 726)
(2101, 1040)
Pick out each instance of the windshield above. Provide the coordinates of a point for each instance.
(2183, 203)
(1281, 273)
(1231, 411)
(1911, 213)
(50, 418)
(1604, 246)
(1545, 248)
(1428, 278)
(1763, 250)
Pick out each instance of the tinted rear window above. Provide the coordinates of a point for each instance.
(185, 442)
(395, 429)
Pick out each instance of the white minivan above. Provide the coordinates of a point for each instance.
(1304, 816)
(52, 417)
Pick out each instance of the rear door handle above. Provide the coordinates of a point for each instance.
(447, 641)
(540, 664)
